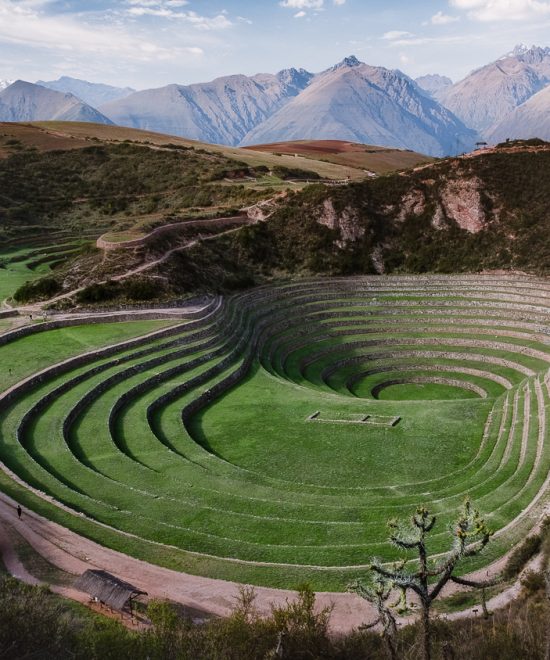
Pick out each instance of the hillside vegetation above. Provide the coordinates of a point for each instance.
(112, 185)
(488, 212)
(49, 135)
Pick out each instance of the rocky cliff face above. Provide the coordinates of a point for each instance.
(347, 223)
(461, 203)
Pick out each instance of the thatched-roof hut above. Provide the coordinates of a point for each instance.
(108, 589)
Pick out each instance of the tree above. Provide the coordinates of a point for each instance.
(378, 593)
(470, 535)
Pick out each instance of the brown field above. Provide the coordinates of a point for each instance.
(50, 135)
(349, 154)
(16, 136)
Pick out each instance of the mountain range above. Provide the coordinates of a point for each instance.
(488, 95)
(352, 101)
(93, 94)
(23, 101)
(223, 111)
(366, 104)
(433, 83)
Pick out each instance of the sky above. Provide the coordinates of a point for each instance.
(150, 43)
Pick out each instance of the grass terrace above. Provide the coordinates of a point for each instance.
(270, 438)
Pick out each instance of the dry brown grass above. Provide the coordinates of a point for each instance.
(348, 154)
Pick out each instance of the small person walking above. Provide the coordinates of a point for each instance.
(19, 511)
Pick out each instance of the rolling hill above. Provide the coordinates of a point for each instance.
(52, 135)
(373, 159)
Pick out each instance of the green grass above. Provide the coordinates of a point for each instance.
(21, 265)
(248, 476)
(30, 354)
(425, 391)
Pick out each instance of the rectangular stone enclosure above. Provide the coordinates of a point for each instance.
(354, 418)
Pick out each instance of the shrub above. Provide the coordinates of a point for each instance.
(533, 581)
(39, 290)
(142, 289)
(294, 173)
(98, 293)
(521, 555)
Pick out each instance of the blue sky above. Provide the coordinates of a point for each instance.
(149, 43)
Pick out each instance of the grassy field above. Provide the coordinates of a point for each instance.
(270, 443)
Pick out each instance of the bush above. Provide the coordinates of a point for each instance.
(43, 289)
(521, 555)
(142, 289)
(533, 581)
(98, 293)
(294, 173)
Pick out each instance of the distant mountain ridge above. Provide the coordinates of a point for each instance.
(93, 94)
(433, 83)
(363, 103)
(529, 120)
(350, 101)
(222, 111)
(487, 95)
(24, 101)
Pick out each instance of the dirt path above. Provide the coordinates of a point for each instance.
(167, 255)
(74, 554)
(15, 567)
(36, 308)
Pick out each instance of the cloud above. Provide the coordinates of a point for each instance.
(302, 4)
(25, 23)
(443, 19)
(339, 3)
(219, 22)
(502, 10)
(429, 41)
(300, 14)
(392, 35)
(170, 9)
